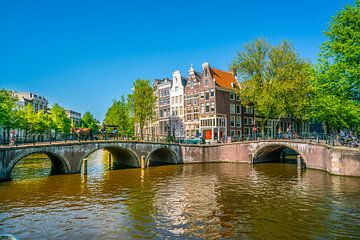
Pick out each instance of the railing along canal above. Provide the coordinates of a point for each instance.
(328, 139)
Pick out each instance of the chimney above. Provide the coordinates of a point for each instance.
(234, 72)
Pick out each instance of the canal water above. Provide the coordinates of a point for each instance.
(199, 201)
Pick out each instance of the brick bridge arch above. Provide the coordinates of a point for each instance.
(272, 151)
(59, 164)
(121, 156)
(161, 155)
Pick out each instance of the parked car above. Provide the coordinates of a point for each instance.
(194, 141)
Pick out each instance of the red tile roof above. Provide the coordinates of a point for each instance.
(224, 79)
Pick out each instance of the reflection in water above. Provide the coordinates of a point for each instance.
(33, 166)
(222, 200)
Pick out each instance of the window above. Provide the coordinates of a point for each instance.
(232, 108)
(247, 131)
(212, 108)
(202, 108)
(206, 82)
(172, 100)
(205, 72)
(238, 121)
(181, 110)
(232, 133)
(238, 133)
(176, 89)
(207, 95)
(180, 99)
(191, 84)
(232, 121)
(238, 109)
(207, 108)
(232, 96)
(176, 99)
(212, 93)
(247, 121)
(161, 113)
(237, 97)
(249, 109)
(202, 94)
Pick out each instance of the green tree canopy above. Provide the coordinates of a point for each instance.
(7, 109)
(59, 120)
(119, 114)
(26, 119)
(337, 82)
(88, 121)
(274, 79)
(142, 101)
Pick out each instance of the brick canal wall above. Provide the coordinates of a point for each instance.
(335, 160)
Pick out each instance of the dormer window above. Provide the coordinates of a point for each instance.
(233, 85)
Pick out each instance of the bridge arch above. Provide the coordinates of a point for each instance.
(121, 156)
(161, 156)
(272, 152)
(59, 165)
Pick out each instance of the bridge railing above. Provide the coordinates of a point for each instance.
(95, 137)
(329, 139)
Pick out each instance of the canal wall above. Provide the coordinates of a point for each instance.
(333, 159)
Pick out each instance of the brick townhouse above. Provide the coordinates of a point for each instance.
(213, 108)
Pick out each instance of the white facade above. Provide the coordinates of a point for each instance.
(177, 105)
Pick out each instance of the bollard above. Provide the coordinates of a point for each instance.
(85, 167)
(110, 161)
(298, 161)
(142, 162)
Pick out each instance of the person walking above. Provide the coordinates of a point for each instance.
(279, 133)
(289, 132)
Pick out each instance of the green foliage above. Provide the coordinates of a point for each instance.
(7, 106)
(275, 80)
(59, 120)
(88, 121)
(142, 102)
(337, 83)
(119, 114)
(26, 119)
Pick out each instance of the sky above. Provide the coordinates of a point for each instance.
(84, 54)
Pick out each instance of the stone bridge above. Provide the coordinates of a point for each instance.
(333, 159)
(68, 157)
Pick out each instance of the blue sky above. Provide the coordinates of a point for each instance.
(83, 54)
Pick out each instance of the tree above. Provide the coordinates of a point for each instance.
(42, 122)
(26, 119)
(7, 109)
(337, 82)
(142, 101)
(88, 121)
(119, 114)
(275, 80)
(59, 120)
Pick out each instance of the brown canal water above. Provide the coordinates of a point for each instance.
(199, 201)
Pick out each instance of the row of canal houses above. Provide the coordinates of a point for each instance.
(203, 104)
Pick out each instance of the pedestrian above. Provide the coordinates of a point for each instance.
(289, 132)
(12, 137)
(279, 133)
